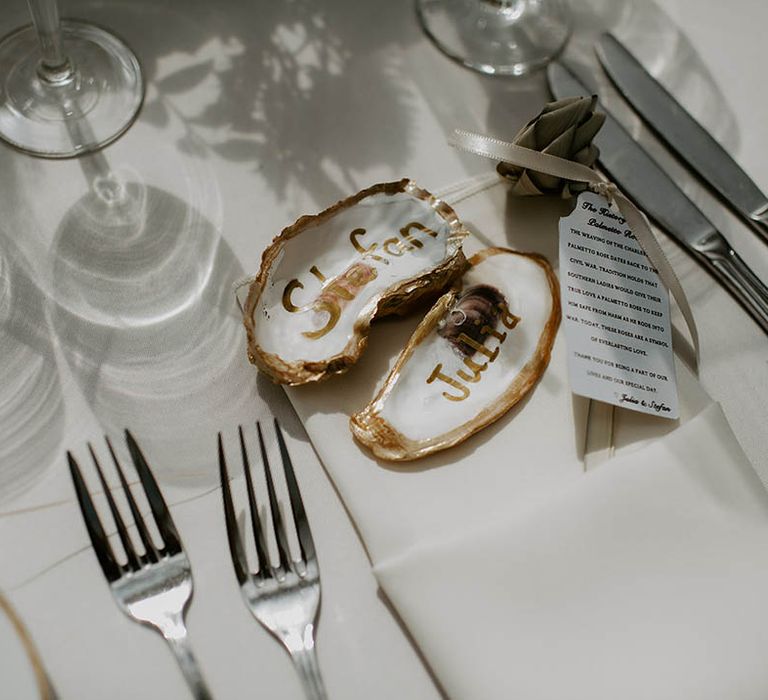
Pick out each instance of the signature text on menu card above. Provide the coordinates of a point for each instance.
(615, 313)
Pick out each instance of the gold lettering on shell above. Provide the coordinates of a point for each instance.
(337, 292)
(354, 235)
(437, 374)
(333, 297)
(507, 317)
(475, 368)
(288, 305)
(472, 371)
(394, 247)
(333, 310)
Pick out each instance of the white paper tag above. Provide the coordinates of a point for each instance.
(615, 313)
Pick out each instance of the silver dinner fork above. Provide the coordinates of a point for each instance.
(284, 598)
(155, 587)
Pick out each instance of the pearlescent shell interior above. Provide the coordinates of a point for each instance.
(411, 417)
(325, 278)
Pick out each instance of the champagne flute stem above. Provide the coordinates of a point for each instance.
(54, 65)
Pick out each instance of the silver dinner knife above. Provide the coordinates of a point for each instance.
(643, 180)
(683, 134)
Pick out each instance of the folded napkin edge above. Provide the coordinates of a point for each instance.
(710, 417)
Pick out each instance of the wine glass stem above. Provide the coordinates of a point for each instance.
(54, 65)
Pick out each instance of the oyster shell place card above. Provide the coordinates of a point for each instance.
(325, 278)
(479, 350)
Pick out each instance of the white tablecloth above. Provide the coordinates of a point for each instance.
(255, 114)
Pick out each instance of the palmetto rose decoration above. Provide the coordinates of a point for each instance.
(564, 128)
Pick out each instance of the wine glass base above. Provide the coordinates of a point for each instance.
(69, 112)
(497, 37)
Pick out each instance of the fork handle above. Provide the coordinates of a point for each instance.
(302, 652)
(182, 650)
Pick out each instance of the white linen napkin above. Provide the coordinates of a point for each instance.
(520, 574)
(646, 579)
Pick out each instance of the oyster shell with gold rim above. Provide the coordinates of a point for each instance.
(325, 278)
(478, 351)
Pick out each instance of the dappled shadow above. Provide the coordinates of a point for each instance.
(31, 402)
(294, 89)
(145, 314)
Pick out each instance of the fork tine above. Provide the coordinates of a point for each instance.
(163, 519)
(277, 520)
(233, 535)
(133, 561)
(146, 538)
(92, 523)
(297, 504)
(258, 531)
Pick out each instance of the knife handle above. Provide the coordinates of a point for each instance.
(759, 221)
(736, 275)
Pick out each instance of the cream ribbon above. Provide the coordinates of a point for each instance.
(570, 170)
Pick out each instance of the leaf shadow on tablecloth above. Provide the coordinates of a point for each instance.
(294, 89)
(143, 307)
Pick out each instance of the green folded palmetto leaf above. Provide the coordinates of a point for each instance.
(564, 128)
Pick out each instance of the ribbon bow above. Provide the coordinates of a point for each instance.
(548, 164)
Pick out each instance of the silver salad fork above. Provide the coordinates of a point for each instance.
(155, 587)
(284, 598)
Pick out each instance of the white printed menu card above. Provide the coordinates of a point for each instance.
(615, 313)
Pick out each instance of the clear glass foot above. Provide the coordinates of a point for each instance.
(497, 37)
(77, 107)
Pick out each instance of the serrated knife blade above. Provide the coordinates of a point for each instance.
(643, 180)
(683, 134)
